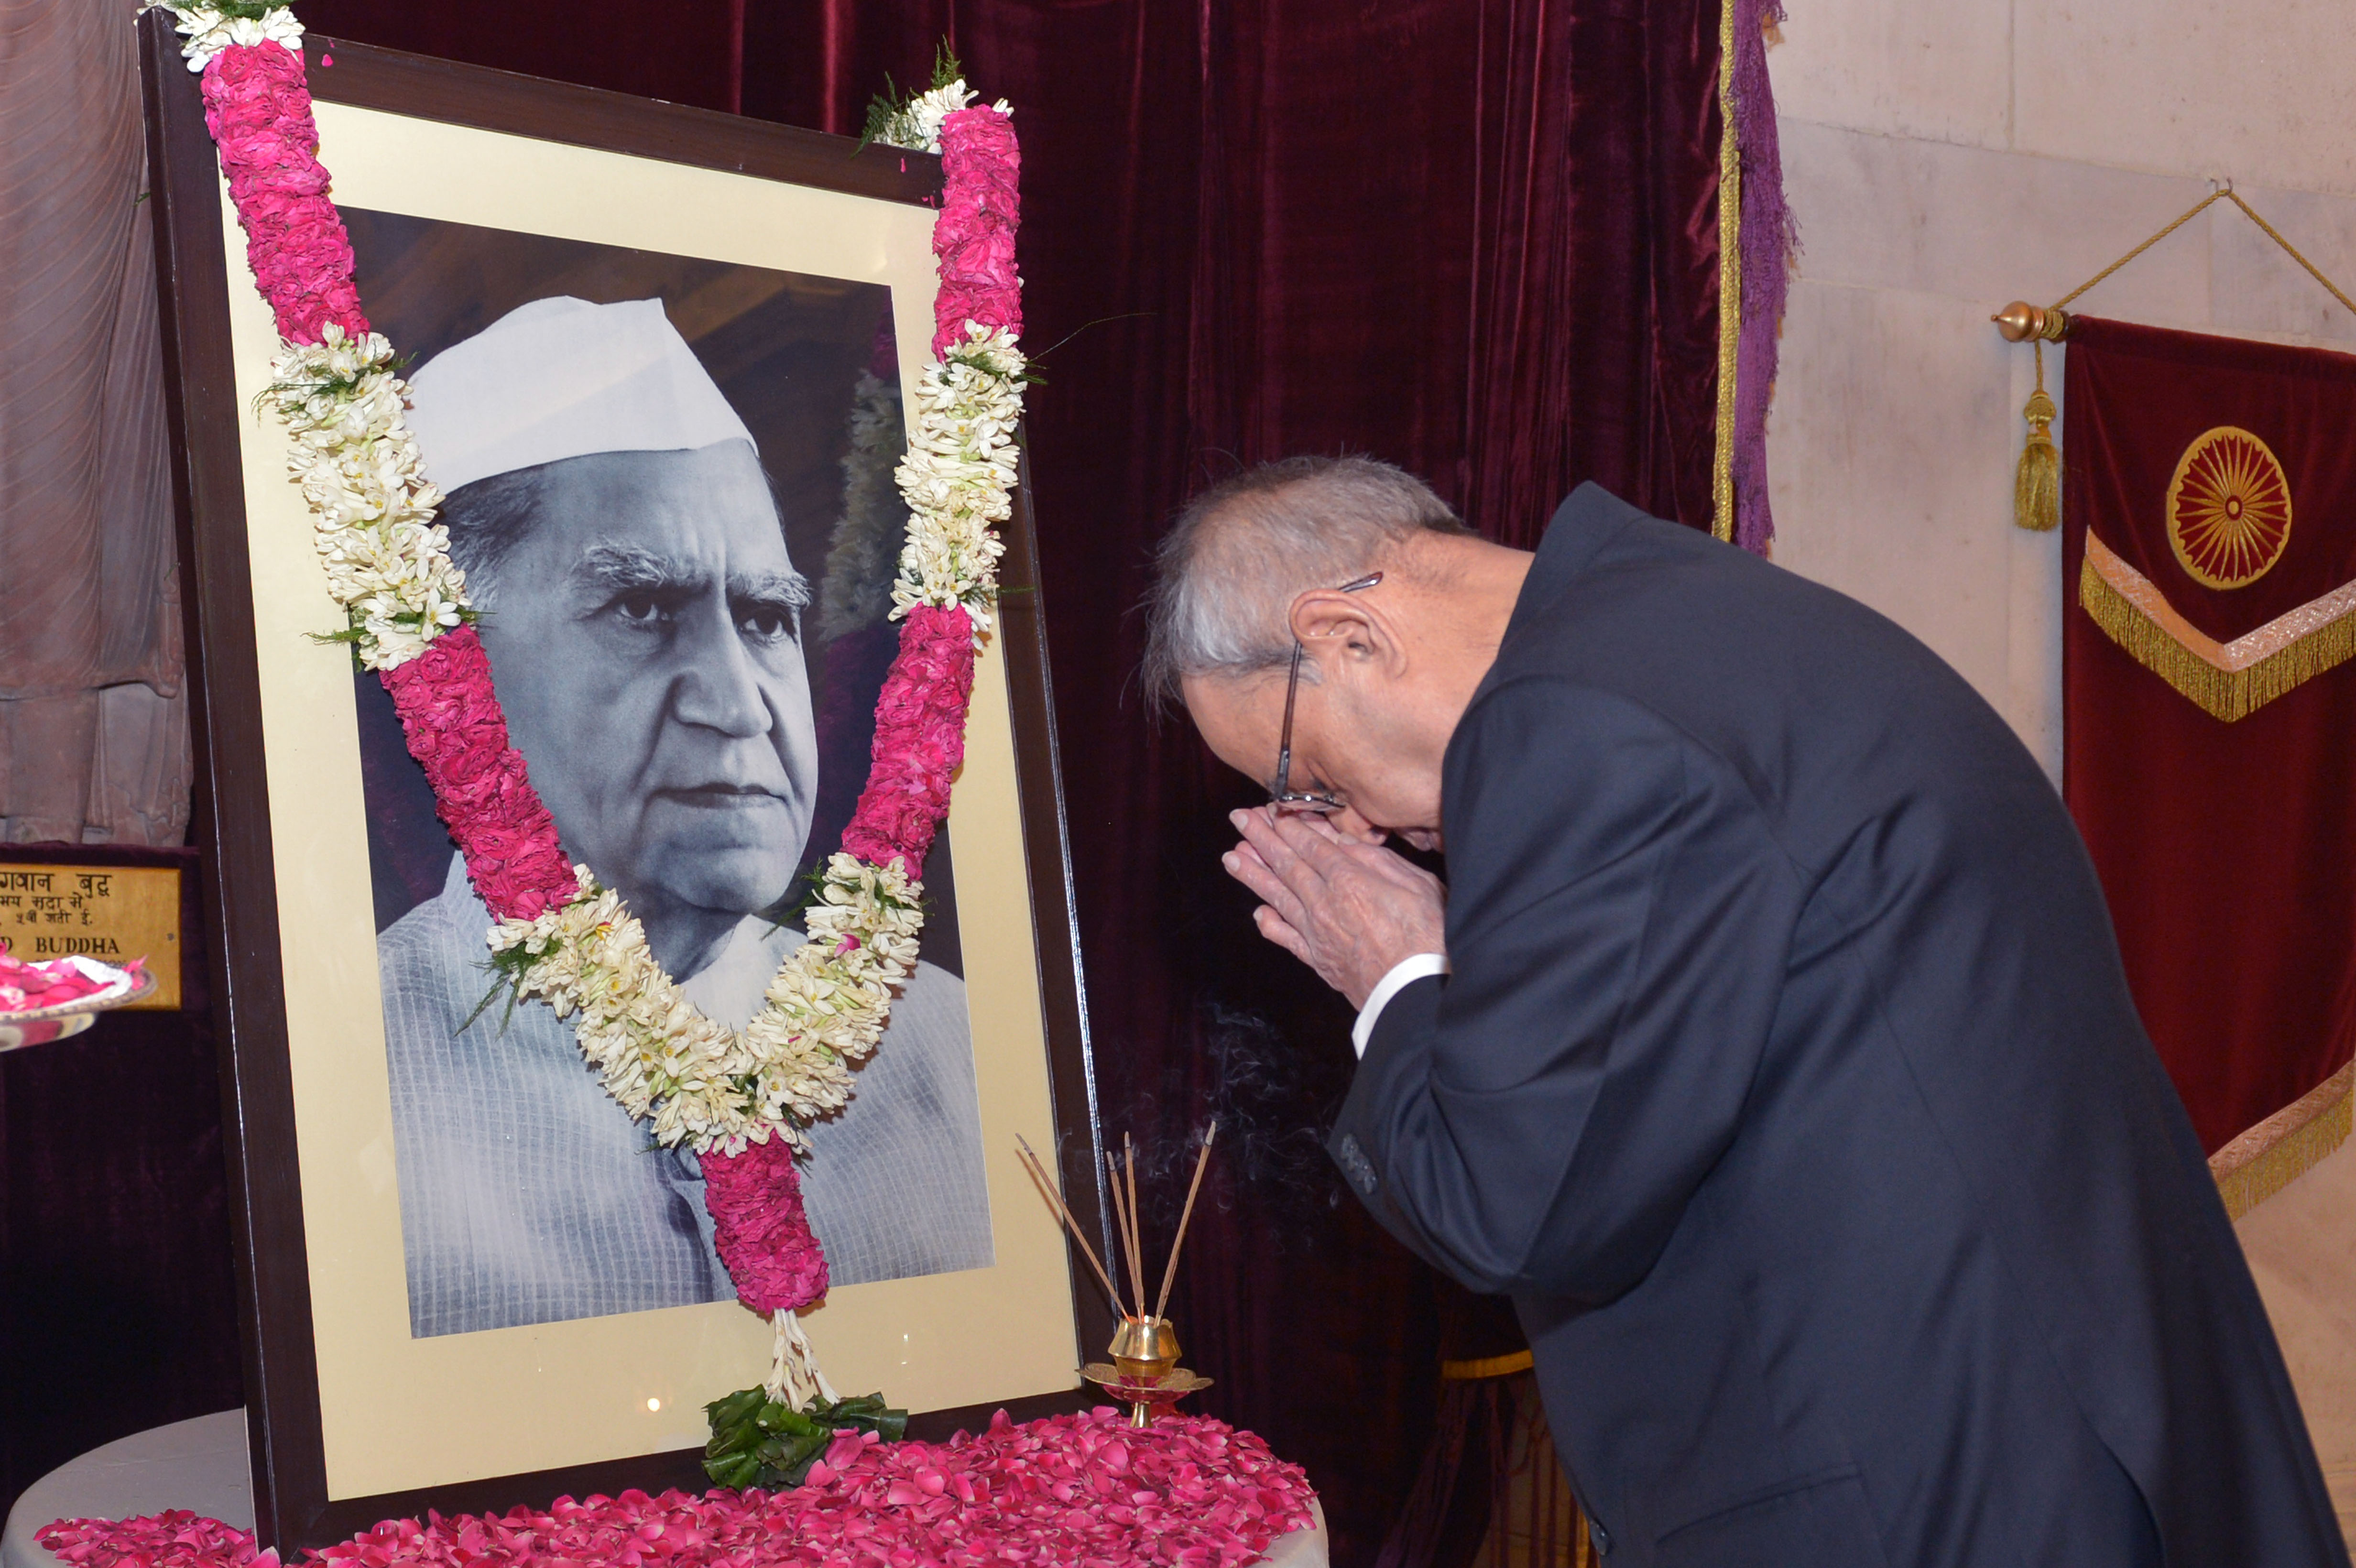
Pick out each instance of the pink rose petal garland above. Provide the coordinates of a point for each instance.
(451, 717)
(974, 236)
(1086, 1491)
(257, 107)
(762, 1229)
(919, 740)
(741, 1099)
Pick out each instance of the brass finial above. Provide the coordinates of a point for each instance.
(2020, 321)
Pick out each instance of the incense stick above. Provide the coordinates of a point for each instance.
(1071, 1222)
(1136, 1220)
(1136, 1254)
(1121, 1217)
(1119, 1255)
(1056, 1201)
(1170, 1272)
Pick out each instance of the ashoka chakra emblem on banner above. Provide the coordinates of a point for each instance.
(2228, 508)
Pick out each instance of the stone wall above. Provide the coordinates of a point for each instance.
(1945, 157)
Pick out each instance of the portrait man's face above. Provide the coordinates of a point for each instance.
(644, 634)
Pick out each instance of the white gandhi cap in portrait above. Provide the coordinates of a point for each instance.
(563, 377)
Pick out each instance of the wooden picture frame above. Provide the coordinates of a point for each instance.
(263, 999)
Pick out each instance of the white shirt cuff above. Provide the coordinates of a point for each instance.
(1404, 973)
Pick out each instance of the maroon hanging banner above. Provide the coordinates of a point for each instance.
(2209, 503)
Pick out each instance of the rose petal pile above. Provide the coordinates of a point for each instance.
(1073, 1491)
(54, 982)
(173, 1539)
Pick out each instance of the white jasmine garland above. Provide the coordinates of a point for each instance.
(694, 1081)
(209, 29)
(388, 562)
(959, 475)
(916, 125)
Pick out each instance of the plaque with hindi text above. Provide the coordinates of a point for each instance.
(111, 914)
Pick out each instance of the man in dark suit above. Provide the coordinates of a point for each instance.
(1768, 1045)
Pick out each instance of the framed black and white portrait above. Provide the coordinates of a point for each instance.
(656, 358)
(639, 451)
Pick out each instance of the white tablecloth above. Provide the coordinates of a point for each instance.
(200, 1465)
(195, 1464)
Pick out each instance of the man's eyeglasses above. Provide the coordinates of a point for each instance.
(1281, 792)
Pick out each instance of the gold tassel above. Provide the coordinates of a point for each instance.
(2037, 483)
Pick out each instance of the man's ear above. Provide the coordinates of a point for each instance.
(1338, 628)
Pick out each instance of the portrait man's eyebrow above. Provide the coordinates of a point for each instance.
(618, 568)
(640, 607)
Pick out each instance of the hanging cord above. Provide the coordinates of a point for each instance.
(2197, 208)
(2036, 482)
(2020, 322)
(2312, 270)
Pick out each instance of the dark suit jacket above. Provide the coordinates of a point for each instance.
(1788, 1081)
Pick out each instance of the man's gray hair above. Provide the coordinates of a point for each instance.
(487, 519)
(1229, 568)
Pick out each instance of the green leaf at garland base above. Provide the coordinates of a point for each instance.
(757, 1442)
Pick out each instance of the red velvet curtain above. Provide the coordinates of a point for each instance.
(1474, 237)
(1477, 237)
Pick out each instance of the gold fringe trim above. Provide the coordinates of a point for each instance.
(1487, 1367)
(2226, 680)
(2286, 1145)
(1729, 279)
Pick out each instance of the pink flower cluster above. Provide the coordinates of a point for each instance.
(1082, 1491)
(51, 983)
(974, 236)
(763, 1231)
(455, 730)
(173, 1539)
(258, 110)
(919, 739)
